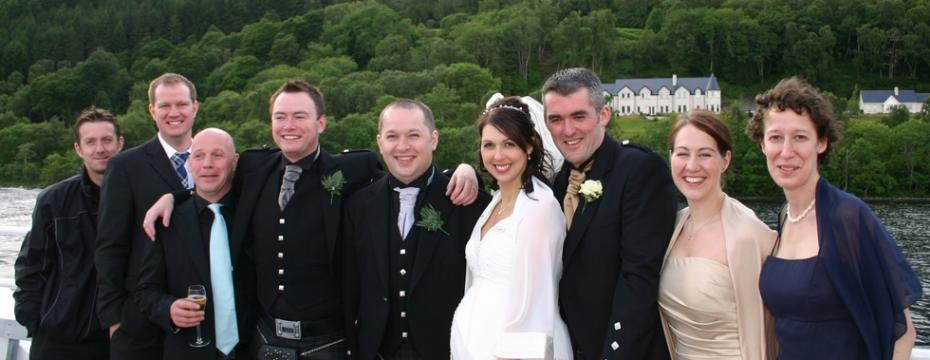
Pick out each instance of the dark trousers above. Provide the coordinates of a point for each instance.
(124, 346)
(319, 347)
(44, 348)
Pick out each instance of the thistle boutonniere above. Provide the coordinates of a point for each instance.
(333, 184)
(431, 219)
(591, 190)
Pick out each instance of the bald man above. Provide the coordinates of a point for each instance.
(196, 250)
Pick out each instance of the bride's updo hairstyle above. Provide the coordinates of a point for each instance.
(511, 117)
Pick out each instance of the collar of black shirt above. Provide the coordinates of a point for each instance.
(201, 204)
(306, 163)
(421, 182)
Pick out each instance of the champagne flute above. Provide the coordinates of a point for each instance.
(198, 294)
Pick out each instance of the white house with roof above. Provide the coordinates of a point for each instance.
(663, 95)
(881, 101)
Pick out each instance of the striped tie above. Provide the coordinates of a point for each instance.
(178, 161)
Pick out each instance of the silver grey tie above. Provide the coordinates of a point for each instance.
(291, 174)
(405, 215)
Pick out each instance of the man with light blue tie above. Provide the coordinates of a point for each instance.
(196, 250)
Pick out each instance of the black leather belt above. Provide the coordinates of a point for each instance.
(297, 329)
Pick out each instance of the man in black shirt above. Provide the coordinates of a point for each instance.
(55, 273)
(197, 250)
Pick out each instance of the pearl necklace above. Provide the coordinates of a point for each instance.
(804, 213)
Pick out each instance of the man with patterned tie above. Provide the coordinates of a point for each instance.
(403, 281)
(620, 204)
(134, 180)
(196, 250)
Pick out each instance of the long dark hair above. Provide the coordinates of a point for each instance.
(511, 117)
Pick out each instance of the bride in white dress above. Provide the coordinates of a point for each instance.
(510, 308)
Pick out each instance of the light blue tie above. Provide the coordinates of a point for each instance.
(224, 301)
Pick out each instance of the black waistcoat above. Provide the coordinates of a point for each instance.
(295, 280)
(402, 255)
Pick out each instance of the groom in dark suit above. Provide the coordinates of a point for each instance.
(405, 245)
(617, 234)
(134, 180)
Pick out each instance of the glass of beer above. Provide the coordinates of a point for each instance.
(198, 294)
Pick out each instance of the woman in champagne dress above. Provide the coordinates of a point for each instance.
(708, 290)
(514, 256)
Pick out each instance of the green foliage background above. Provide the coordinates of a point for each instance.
(58, 57)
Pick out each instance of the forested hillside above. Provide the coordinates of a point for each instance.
(59, 56)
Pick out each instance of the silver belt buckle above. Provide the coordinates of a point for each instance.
(287, 329)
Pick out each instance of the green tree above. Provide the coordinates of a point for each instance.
(472, 82)
(912, 148)
(899, 115)
(59, 166)
(284, 50)
(354, 131)
(233, 75)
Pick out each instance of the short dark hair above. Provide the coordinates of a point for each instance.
(566, 81)
(171, 79)
(708, 123)
(512, 117)
(801, 97)
(410, 104)
(300, 86)
(94, 114)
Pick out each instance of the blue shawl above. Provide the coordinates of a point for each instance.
(866, 267)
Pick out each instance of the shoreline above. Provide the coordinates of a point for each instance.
(881, 200)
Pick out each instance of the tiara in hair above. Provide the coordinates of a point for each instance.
(505, 106)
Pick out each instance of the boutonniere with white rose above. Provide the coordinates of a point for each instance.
(591, 190)
(333, 184)
(431, 219)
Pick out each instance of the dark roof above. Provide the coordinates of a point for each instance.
(904, 96)
(654, 84)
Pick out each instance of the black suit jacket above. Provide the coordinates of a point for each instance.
(438, 275)
(613, 254)
(134, 180)
(358, 168)
(180, 258)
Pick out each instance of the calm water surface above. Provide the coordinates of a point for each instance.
(908, 223)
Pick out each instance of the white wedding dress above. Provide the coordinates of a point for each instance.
(511, 308)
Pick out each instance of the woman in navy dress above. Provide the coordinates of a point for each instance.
(836, 282)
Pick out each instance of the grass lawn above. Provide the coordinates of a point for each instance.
(628, 127)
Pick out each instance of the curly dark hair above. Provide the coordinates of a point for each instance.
(803, 98)
(512, 118)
